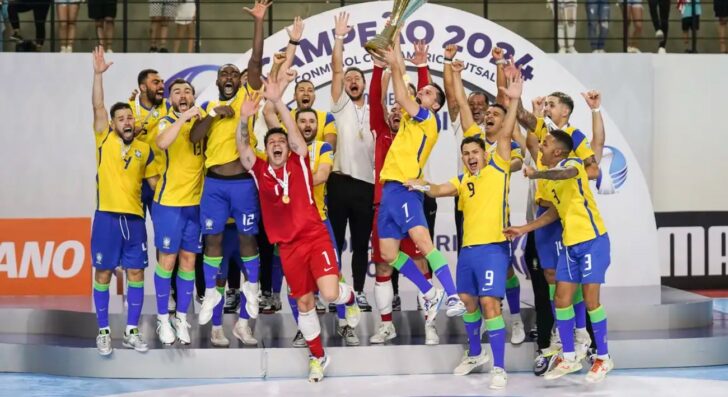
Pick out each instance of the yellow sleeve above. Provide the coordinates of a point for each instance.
(473, 130)
(100, 136)
(326, 154)
(457, 182)
(540, 131)
(500, 162)
(151, 169)
(329, 124)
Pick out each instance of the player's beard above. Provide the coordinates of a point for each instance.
(152, 97)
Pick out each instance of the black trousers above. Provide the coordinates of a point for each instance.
(40, 12)
(542, 303)
(265, 250)
(458, 225)
(660, 15)
(350, 201)
(430, 207)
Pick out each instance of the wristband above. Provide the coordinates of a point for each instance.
(340, 36)
(422, 65)
(294, 42)
(597, 110)
(447, 62)
(501, 62)
(448, 59)
(212, 113)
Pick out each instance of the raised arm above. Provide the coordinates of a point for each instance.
(255, 64)
(594, 100)
(466, 115)
(377, 114)
(419, 59)
(294, 37)
(452, 104)
(500, 76)
(401, 95)
(101, 118)
(446, 189)
(505, 136)
(273, 93)
(341, 29)
(166, 136)
(247, 109)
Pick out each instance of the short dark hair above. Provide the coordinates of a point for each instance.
(181, 81)
(472, 139)
(302, 81)
(273, 131)
(480, 93)
(499, 106)
(307, 110)
(565, 99)
(412, 87)
(563, 139)
(142, 76)
(118, 106)
(244, 71)
(355, 69)
(440, 96)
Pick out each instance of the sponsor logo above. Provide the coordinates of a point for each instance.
(613, 171)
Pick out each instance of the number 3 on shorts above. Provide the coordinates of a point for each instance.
(588, 261)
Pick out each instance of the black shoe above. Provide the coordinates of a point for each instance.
(361, 300)
(332, 307)
(153, 49)
(164, 50)
(232, 301)
(396, 304)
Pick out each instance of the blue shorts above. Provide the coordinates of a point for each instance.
(177, 228)
(585, 263)
(327, 223)
(230, 250)
(229, 198)
(482, 269)
(548, 242)
(118, 239)
(400, 210)
(147, 197)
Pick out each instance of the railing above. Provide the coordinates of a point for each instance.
(221, 26)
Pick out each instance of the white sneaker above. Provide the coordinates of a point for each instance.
(298, 340)
(555, 345)
(582, 342)
(659, 34)
(212, 298)
(498, 378)
(108, 51)
(133, 340)
(218, 338)
(385, 332)
(518, 334)
(455, 307)
(103, 343)
(182, 329)
(346, 332)
(563, 367)
(432, 306)
(633, 50)
(165, 332)
(599, 370)
(431, 336)
(572, 50)
(250, 290)
(661, 50)
(316, 368)
(470, 363)
(242, 331)
(562, 50)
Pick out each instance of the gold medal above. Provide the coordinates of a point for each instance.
(286, 199)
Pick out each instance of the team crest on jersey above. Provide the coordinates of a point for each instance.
(208, 224)
(155, 113)
(165, 242)
(162, 124)
(138, 153)
(99, 258)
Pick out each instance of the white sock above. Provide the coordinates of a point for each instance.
(429, 295)
(570, 356)
(581, 331)
(383, 295)
(163, 317)
(209, 292)
(603, 356)
(516, 317)
(242, 322)
(308, 323)
(342, 322)
(130, 327)
(344, 294)
(181, 316)
(216, 327)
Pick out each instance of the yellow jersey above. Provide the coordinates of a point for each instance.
(484, 200)
(221, 147)
(581, 150)
(325, 123)
(120, 170)
(411, 147)
(320, 152)
(181, 168)
(148, 120)
(575, 203)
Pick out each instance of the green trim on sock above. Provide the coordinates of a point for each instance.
(213, 261)
(135, 284)
(512, 282)
(159, 271)
(101, 287)
(189, 276)
(221, 290)
(495, 323)
(436, 260)
(249, 258)
(399, 262)
(473, 317)
(578, 295)
(565, 313)
(552, 291)
(597, 314)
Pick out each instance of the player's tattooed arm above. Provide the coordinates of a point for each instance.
(553, 174)
(526, 118)
(547, 218)
(341, 29)
(101, 118)
(431, 189)
(255, 64)
(242, 135)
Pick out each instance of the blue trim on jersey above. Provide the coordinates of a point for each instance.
(325, 148)
(421, 115)
(492, 163)
(577, 137)
(164, 176)
(171, 120)
(205, 105)
(98, 193)
(515, 145)
(588, 211)
(439, 125)
(460, 177)
(505, 202)
(151, 156)
(329, 119)
(419, 153)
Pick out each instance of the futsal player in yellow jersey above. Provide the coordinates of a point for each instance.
(400, 210)
(305, 96)
(118, 234)
(586, 250)
(177, 210)
(229, 190)
(486, 254)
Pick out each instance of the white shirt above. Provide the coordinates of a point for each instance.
(457, 128)
(354, 140)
